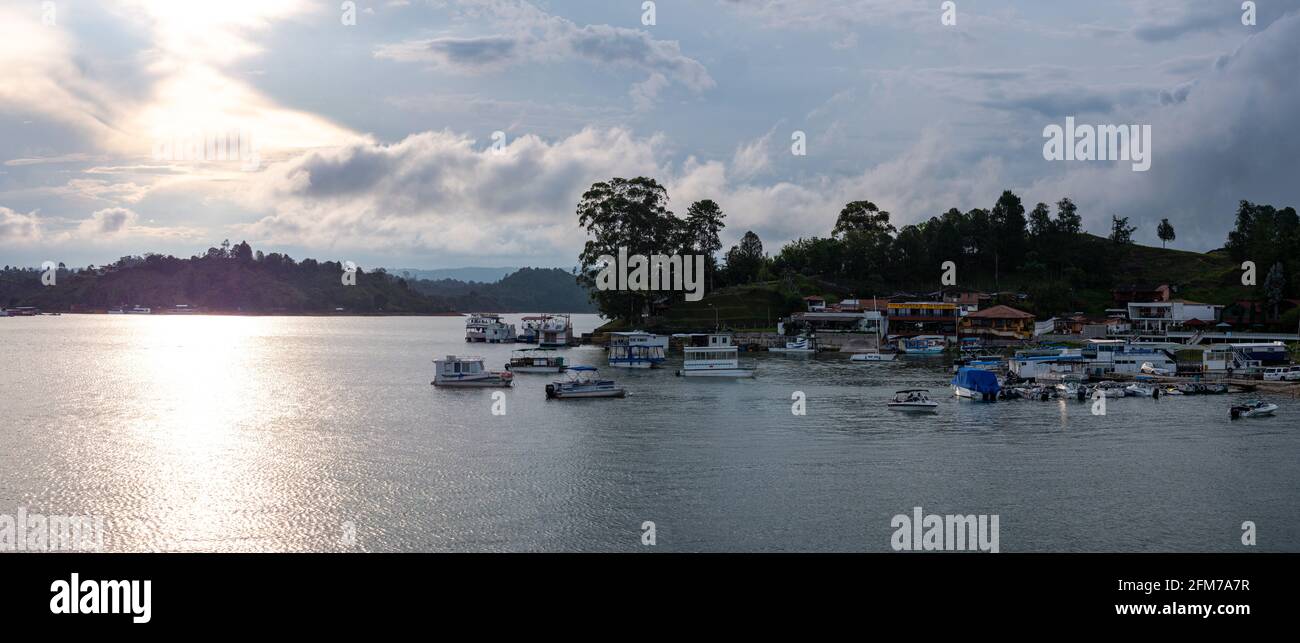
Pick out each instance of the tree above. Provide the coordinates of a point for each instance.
(624, 213)
(864, 217)
(1067, 217)
(1120, 231)
(1040, 221)
(701, 230)
(1007, 222)
(1165, 231)
(745, 260)
(1275, 288)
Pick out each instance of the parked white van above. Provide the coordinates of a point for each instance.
(1282, 374)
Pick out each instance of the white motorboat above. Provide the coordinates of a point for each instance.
(1252, 409)
(873, 357)
(468, 372)
(536, 360)
(582, 384)
(803, 345)
(139, 310)
(1141, 390)
(914, 400)
(637, 349)
(712, 355)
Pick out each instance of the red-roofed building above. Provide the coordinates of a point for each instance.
(998, 322)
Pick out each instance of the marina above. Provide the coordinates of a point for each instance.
(446, 474)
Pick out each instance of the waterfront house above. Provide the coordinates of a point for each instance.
(998, 323)
(1156, 318)
(911, 319)
(815, 303)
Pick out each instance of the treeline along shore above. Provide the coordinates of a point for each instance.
(237, 279)
(1036, 258)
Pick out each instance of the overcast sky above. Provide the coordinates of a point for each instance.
(374, 141)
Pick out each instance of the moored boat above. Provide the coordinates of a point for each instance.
(637, 349)
(488, 328)
(582, 384)
(468, 372)
(711, 355)
(925, 345)
(536, 360)
(555, 331)
(873, 357)
(976, 384)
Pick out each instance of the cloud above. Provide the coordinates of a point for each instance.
(537, 37)
(108, 222)
(16, 227)
(442, 191)
(1228, 137)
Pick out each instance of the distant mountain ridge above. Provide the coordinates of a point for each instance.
(525, 290)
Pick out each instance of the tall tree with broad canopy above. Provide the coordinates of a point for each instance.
(631, 214)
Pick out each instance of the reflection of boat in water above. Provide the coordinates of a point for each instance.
(637, 349)
(802, 345)
(976, 384)
(1252, 409)
(873, 357)
(536, 360)
(711, 355)
(582, 383)
(913, 400)
(467, 372)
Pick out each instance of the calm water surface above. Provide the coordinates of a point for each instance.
(292, 434)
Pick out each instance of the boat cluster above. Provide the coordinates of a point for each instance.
(546, 331)
(705, 355)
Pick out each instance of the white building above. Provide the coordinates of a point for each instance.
(1158, 317)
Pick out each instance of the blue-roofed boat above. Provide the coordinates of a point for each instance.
(582, 383)
(976, 384)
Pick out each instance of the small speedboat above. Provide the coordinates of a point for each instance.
(1142, 390)
(1252, 409)
(873, 357)
(915, 400)
(582, 383)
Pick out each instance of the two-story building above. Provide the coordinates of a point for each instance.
(910, 319)
(1159, 317)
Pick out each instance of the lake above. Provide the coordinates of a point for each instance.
(222, 433)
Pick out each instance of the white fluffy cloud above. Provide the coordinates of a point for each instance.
(16, 227)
